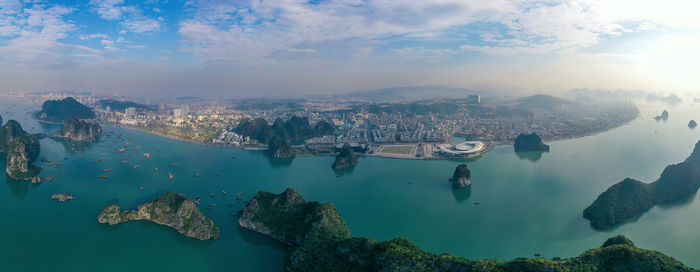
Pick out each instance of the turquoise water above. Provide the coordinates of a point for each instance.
(528, 204)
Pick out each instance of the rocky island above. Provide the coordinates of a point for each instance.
(62, 197)
(529, 142)
(692, 124)
(462, 177)
(630, 198)
(61, 110)
(319, 240)
(172, 210)
(663, 116)
(345, 159)
(76, 130)
(22, 150)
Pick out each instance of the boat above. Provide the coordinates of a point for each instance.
(146, 155)
(171, 176)
(107, 170)
(175, 165)
(102, 177)
(141, 188)
(223, 192)
(196, 201)
(196, 175)
(155, 169)
(212, 195)
(211, 205)
(136, 166)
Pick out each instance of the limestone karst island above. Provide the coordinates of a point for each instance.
(333, 135)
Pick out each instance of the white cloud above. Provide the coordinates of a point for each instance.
(36, 32)
(94, 36)
(106, 42)
(129, 16)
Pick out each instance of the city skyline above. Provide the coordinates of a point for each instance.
(244, 48)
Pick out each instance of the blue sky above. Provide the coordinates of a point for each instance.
(284, 47)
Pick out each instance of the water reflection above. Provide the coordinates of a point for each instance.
(532, 156)
(462, 194)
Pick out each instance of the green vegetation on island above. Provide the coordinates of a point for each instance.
(663, 116)
(79, 130)
(278, 136)
(346, 158)
(529, 142)
(22, 150)
(462, 177)
(319, 240)
(691, 124)
(630, 198)
(61, 110)
(172, 210)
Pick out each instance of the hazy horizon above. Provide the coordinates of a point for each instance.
(282, 48)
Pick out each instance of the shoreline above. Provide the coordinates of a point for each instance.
(492, 145)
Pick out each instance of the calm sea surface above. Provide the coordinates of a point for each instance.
(529, 203)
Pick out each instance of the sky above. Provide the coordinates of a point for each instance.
(292, 47)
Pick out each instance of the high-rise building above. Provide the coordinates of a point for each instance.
(178, 114)
(474, 99)
(131, 112)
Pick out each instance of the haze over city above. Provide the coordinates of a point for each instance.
(242, 48)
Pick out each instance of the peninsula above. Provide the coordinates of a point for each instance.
(172, 210)
(22, 150)
(529, 142)
(319, 240)
(630, 198)
(61, 110)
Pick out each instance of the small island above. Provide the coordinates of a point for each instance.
(319, 240)
(692, 124)
(58, 111)
(172, 210)
(630, 198)
(663, 116)
(461, 177)
(62, 197)
(22, 150)
(529, 142)
(346, 158)
(76, 130)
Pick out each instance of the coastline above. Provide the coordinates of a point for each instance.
(490, 145)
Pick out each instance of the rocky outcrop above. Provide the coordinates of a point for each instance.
(172, 210)
(61, 110)
(79, 130)
(663, 116)
(62, 197)
(22, 150)
(692, 124)
(461, 177)
(630, 198)
(529, 142)
(346, 158)
(319, 240)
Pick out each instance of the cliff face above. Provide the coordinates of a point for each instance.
(345, 159)
(461, 177)
(172, 210)
(529, 142)
(61, 110)
(78, 130)
(319, 240)
(630, 197)
(22, 150)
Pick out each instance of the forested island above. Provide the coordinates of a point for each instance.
(278, 136)
(529, 142)
(630, 197)
(60, 110)
(172, 210)
(346, 158)
(462, 177)
(79, 130)
(319, 240)
(22, 150)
